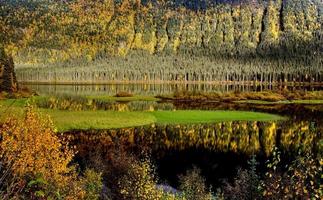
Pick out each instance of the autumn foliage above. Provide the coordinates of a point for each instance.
(86, 41)
(33, 153)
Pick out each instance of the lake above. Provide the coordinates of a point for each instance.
(218, 148)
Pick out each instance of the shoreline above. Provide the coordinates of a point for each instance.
(143, 82)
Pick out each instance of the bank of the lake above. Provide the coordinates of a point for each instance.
(99, 119)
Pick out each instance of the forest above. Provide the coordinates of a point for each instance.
(80, 41)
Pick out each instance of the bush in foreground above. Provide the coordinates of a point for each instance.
(193, 185)
(36, 164)
(299, 180)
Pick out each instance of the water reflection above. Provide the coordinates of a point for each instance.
(154, 89)
(236, 137)
(77, 103)
(218, 149)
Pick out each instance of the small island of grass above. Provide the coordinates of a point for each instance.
(100, 119)
(200, 116)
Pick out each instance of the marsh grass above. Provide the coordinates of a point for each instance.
(261, 102)
(124, 99)
(79, 103)
(123, 94)
(264, 96)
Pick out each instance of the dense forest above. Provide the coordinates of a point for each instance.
(272, 41)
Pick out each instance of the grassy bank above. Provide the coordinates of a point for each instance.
(83, 120)
(308, 102)
(123, 99)
(242, 97)
(199, 116)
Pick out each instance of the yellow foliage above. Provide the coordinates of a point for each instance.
(138, 43)
(30, 147)
(269, 137)
(273, 22)
(139, 183)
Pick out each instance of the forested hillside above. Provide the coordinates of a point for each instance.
(133, 40)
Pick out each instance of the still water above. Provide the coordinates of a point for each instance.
(218, 149)
(153, 89)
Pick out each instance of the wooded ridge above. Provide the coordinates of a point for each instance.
(65, 41)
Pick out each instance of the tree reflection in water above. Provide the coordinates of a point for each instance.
(238, 137)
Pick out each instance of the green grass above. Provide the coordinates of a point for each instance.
(83, 120)
(198, 116)
(13, 102)
(11, 107)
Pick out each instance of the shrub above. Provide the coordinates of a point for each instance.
(92, 183)
(246, 185)
(123, 94)
(193, 186)
(31, 151)
(125, 176)
(66, 102)
(139, 182)
(301, 180)
(28, 143)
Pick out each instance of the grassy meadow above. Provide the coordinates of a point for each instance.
(66, 120)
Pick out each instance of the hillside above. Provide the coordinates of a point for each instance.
(107, 40)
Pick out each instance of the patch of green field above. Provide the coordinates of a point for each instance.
(133, 98)
(83, 120)
(12, 107)
(198, 116)
(13, 102)
(80, 120)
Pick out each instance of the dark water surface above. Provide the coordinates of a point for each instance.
(154, 89)
(218, 149)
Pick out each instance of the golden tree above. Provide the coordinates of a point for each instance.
(31, 149)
